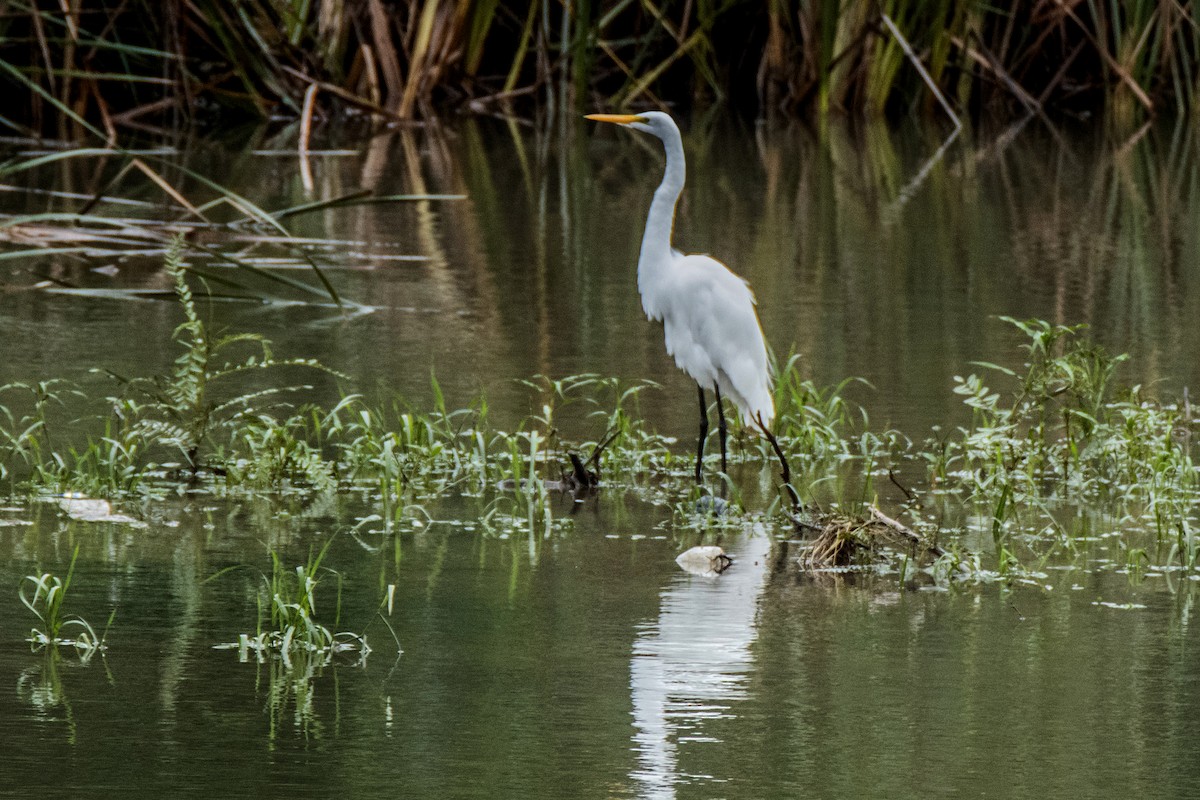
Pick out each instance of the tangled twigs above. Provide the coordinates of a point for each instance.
(906, 532)
(839, 541)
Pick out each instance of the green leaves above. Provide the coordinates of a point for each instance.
(288, 625)
(44, 595)
(1064, 434)
(186, 408)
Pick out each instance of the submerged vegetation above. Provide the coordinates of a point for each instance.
(146, 65)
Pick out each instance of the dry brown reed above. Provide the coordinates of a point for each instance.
(143, 64)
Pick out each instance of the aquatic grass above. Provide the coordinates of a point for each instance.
(276, 455)
(1057, 434)
(199, 410)
(812, 420)
(45, 596)
(105, 465)
(287, 616)
(404, 452)
(622, 447)
(1067, 435)
(25, 432)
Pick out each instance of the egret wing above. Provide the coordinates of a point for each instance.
(713, 333)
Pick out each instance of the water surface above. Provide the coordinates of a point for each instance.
(867, 260)
(580, 661)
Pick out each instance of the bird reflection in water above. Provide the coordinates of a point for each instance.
(691, 666)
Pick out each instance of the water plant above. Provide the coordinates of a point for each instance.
(45, 595)
(25, 432)
(184, 408)
(1062, 427)
(1052, 434)
(287, 616)
(1065, 434)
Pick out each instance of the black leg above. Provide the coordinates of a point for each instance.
(703, 436)
(786, 470)
(721, 425)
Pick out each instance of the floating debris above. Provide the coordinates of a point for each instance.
(848, 544)
(1119, 606)
(88, 509)
(706, 561)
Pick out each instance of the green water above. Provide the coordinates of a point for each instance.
(587, 664)
(580, 661)
(860, 265)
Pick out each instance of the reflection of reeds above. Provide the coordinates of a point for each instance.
(116, 204)
(859, 272)
(150, 63)
(864, 276)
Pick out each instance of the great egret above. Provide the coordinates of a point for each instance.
(706, 310)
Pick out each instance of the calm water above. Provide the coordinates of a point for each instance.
(584, 663)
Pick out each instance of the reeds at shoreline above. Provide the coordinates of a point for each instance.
(155, 64)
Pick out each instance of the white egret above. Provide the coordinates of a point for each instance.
(706, 310)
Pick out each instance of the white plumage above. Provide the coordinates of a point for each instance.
(707, 311)
(713, 332)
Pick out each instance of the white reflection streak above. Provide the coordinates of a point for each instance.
(692, 665)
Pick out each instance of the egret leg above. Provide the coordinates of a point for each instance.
(786, 471)
(721, 425)
(703, 435)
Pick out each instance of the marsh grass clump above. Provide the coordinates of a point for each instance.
(814, 422)
(1066, 435)
(536, 457)
(402, 453)
(45, 595)
(211, 410)
(825, 437)
(25, 429)
(1065, 431)
(287, 617)
(274, 454)
(1061, 434)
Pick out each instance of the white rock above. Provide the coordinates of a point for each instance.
(89, 509)
(706, 560)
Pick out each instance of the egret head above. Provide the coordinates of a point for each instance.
(655, 122)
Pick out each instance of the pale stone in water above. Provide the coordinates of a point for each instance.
(88, 509)
(706, 560)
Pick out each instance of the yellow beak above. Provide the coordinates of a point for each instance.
(620, 119)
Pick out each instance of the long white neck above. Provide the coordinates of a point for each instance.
(656, 242)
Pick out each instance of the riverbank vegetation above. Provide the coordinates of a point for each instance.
(148, 66)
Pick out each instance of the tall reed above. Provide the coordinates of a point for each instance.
(152, 64)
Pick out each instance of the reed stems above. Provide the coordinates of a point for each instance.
(82, 66)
